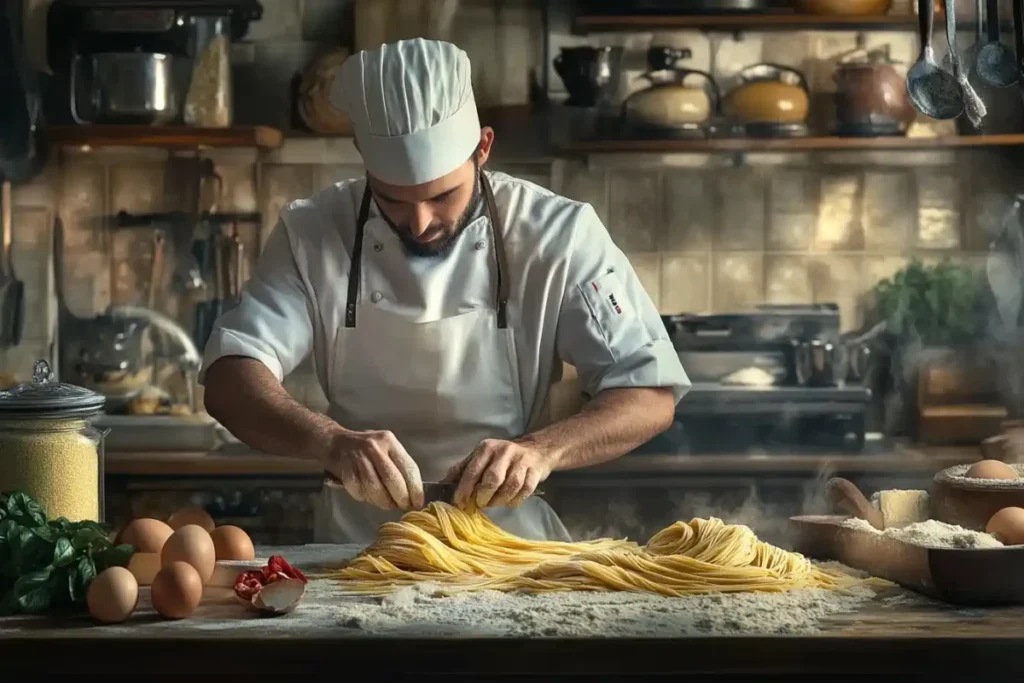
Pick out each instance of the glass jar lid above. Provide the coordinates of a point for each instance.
(46, 397)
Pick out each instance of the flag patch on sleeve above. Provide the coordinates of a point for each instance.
(608, 297)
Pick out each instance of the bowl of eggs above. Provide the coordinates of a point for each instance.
(178, 559)
(970, 495)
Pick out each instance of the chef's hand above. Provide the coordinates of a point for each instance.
(375, 468)
(499, 473)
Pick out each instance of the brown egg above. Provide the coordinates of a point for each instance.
(144, 567)
(192, 545)
(991, 469)
(188, 516)
(147, 535)
(112, 596)
(1007, 526)
(232, 543)
(177, 590)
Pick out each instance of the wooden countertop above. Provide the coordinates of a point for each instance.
(894, 633)
(983, 643)
(899, 459)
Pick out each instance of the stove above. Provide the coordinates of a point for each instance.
(748, 391)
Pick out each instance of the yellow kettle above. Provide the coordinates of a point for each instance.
(768, 93)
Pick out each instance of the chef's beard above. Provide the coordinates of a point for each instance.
(449, 232)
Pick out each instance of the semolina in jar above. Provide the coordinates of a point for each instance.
(47, 448)
(57, 462)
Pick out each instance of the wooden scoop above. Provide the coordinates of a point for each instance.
(845, 495)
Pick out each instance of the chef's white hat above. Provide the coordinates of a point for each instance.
(412, 108)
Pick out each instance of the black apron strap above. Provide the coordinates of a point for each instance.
(497, 233)
(355, 270)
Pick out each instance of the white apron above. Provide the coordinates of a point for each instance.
(441, 387)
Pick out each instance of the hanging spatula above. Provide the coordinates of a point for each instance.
(12, 290)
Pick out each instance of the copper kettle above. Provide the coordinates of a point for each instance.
(768, 93)
(871, 95)
(677, 100)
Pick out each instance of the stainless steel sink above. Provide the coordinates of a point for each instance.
(195, 433)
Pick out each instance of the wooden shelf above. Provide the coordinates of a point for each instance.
(807, 144)
(164, 136)
(738, 22)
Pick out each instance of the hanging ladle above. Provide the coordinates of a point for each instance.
(996, 65)
(973, 105)
(969, 57)
(934, 92)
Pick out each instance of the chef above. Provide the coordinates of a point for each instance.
(439, 302)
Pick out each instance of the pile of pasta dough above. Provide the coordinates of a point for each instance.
(463, 551)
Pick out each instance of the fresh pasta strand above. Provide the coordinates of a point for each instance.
(465, 551)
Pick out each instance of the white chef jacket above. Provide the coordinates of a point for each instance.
(574, 295)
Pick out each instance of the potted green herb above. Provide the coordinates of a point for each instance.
(931, 312)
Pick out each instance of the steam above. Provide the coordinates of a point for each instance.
(639, 513)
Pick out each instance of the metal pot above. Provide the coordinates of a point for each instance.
(820, 363)
(123, 87)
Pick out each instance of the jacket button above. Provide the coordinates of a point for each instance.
(378, 247)
(479, 245)
(375, 297)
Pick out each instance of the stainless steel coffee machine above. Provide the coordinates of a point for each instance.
(135, 61)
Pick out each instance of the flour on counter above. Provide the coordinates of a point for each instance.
(416, 612)
(930, 534)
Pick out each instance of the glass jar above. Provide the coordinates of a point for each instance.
(208, 103)
(48, 449)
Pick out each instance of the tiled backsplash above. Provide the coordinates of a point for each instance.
(704, 235)
(721, 238)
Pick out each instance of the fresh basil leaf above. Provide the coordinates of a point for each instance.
(75, 585)
(19, 539)
(85, 537)
(85, 574)
(47, 533)
(34, 592)
(31, 552)
(31, 513)
(115, 556)
(63, 552)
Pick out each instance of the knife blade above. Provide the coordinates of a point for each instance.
(433, 492)
(439, 492)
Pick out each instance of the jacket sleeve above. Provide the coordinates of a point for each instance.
(608, 327)
(273, 319)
